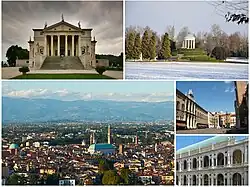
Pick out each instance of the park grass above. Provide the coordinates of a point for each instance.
(62, 76)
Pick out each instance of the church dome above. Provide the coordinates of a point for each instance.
(189, 37)
(13, 146)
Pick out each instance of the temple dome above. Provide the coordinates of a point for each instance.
(189, 37)
(13, 146)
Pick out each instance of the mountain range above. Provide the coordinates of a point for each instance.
(24, 110)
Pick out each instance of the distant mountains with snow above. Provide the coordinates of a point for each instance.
(22, 110)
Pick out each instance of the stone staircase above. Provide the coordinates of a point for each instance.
(57, 63)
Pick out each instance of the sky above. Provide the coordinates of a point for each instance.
(146, 91)
(196, 15)
(184, 141)
(214, 96)
(106, 19)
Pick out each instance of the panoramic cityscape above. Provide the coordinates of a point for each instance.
(207, 40)
(75, 134)
(226, 110)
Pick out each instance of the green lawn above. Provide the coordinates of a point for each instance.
(62, 76)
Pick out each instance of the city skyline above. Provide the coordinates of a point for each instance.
(137, 91)
(214, 96)
(105, 18)
(192, 14)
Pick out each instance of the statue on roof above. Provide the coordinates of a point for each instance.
(45, 25)
(62, 18)
(79, 24)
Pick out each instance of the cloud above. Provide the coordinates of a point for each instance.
(228, 89)
(105, 17)
(65, 94)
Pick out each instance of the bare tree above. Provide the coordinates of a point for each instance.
(171, 32)
(181, 35)
(234, 11)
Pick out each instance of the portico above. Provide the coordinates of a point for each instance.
(62, 45)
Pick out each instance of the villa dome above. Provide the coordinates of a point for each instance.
(189, 37)
(13, 146)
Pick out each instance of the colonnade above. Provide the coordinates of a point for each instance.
(188, 44)
(76, 42)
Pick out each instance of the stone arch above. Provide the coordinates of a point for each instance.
(205, 161)
(177, 166)
(206, 180)
(220, 159)
(194, 180)
(177, 180)
(237, 156)
(237, 179)
(185, 164)
(220, 179)
(185, 180)
(194, 163)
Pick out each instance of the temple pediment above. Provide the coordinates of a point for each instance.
(62, 26)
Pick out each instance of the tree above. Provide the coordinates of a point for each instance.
(16, 179)
(52, 179)
(219, 53)
(14, 52)
(145, 45)
(152, 46)
(180, 37)
(130, 46)
(171, 32)
(165, 48)
(232, 11)
(110, 177)
(137, 46)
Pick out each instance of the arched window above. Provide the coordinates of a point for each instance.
(185, 164)
(220, 179)
(206, 161)
(220, 159)
(237, 157)
(206, 179)
(194, 180)
(236, 179)
(194, 163)
(177, 105)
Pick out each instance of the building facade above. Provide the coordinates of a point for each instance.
(189, 42)
(241, 104)
(59, 40)
(190, 115)
(214, 161)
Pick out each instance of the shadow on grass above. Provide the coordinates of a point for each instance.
(62, 76)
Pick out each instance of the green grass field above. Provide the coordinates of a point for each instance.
(62, 76)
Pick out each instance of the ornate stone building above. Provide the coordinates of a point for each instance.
(241, 104)
(190, 115)
(220, 160)
(188, 42)
(62, 46)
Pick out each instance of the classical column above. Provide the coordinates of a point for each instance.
(58, 45)
(52, 52)
(79, 45)
(194, 43)
(72, 46)
(66, 45)
(45, 45)
(245, 178)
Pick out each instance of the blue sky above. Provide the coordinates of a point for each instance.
(96, 90)
(197, 15)
(183, 141)
(214, 96)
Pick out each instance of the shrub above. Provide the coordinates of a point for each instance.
(100, 69)
(24, 70)
(189, 52)
(200, 58)
(219, 53)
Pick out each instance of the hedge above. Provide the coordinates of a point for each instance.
(203, 58)
(189, 52)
